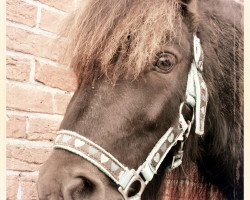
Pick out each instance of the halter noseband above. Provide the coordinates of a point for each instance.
(196, 97)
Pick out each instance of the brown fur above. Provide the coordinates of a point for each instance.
(117, 41)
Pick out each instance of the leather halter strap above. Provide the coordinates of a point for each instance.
(124, 177)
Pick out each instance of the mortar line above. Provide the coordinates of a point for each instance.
(28, 143)
(38, 16)
(35, 30)
(20, 173)
(19, 191)
(32, 70)
(36, 85)
(34, 115)
(45, 6)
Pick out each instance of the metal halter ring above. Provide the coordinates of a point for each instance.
(136, 178)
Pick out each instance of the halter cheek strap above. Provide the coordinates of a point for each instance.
(124, 177)
(196, 92)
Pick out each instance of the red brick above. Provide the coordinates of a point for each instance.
(18, 165)
(61, 103)
(22, 158)
(42, 129)
(12, 187)
(58, 77)
(16, 127)
(29, 189)
(50, 21)
(28, 99)
(17, 69)
(65, 5)
(21, 12)
(30, 43)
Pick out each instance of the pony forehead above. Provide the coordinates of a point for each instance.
(120, 38)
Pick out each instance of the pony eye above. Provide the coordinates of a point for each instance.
(165, 62)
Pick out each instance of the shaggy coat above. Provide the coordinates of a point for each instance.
(118, 41)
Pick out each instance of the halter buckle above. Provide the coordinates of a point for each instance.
(177, 160)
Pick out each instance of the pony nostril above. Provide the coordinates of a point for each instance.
(79, 188)
(84, 189)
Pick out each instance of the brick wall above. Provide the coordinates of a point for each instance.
(38, 91)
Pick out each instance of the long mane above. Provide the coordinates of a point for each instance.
(121, 37)
(219, 154)
(223, 145)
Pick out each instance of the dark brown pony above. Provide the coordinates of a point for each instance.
(131, 59)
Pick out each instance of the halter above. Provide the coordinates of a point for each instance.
(196, 97)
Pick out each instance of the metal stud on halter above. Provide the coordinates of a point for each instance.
(196, 97)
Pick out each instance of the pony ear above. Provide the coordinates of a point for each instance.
(186, 1)
(189, 9)
(189, 4)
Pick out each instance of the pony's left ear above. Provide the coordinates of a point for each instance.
(189, 9)
(186, 1)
